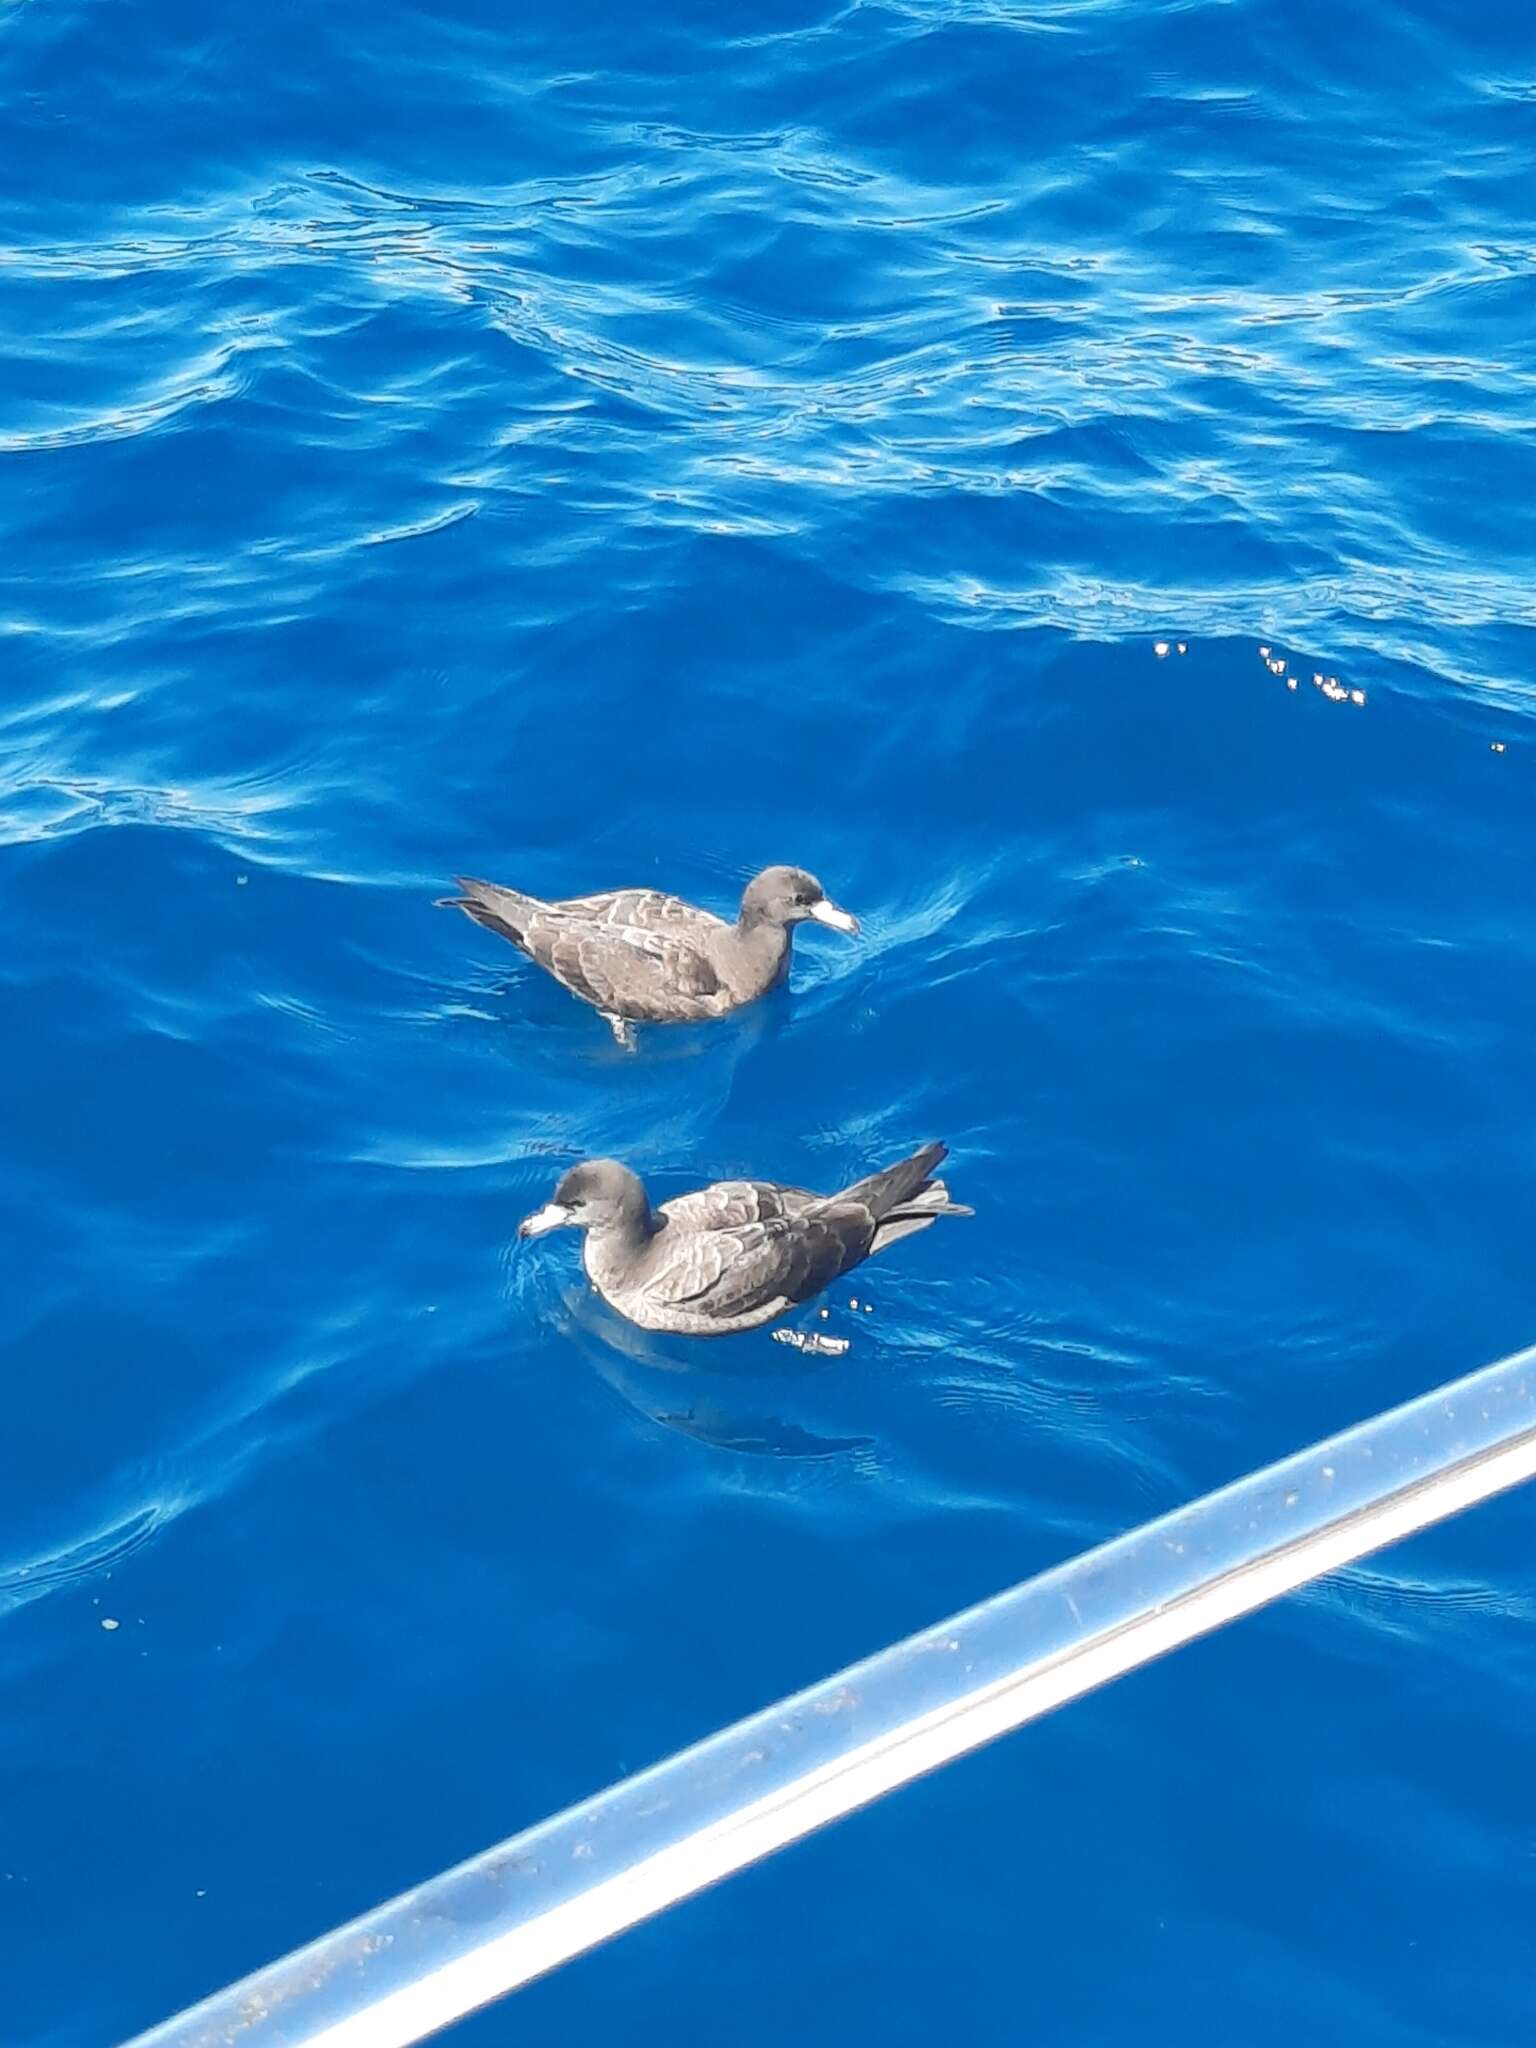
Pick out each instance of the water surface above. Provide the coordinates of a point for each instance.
(639, 448)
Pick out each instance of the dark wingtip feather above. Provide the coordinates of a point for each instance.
(893, 1186)
(927, 1157)
(469, 887)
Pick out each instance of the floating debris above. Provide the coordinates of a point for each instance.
(1290, 682)
(813, 1341)
(1182, 647)
(108, 1623)
(1357, 696)
(1160, 649)
(1498, 747)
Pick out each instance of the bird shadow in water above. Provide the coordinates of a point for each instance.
(715, 1406)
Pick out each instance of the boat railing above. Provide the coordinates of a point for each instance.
(475, 1933)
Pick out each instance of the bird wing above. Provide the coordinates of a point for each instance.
(740, 1245)
(623, 968)
(641, 910)
(728, 1204)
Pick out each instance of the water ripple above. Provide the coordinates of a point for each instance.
(640, 447)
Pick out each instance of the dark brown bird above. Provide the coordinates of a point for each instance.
(643, 957)
(739, 1253)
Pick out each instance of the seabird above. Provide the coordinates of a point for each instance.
(640, 956)
(734, 1255)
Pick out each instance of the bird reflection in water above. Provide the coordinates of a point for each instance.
(724, 1403)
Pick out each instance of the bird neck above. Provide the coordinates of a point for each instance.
(766, 936)
(765, 944)
(632, 1228)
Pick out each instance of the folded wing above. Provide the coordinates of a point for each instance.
(646, 910)
(743, 1245)
(622, 968)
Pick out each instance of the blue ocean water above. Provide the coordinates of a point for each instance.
(636, 445)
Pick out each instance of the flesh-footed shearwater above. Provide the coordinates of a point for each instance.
(643, 957)
(734, 1255)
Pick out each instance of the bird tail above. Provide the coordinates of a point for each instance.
(904, 1198)
(505, 911)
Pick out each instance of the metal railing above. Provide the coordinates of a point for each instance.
(468, 1937)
